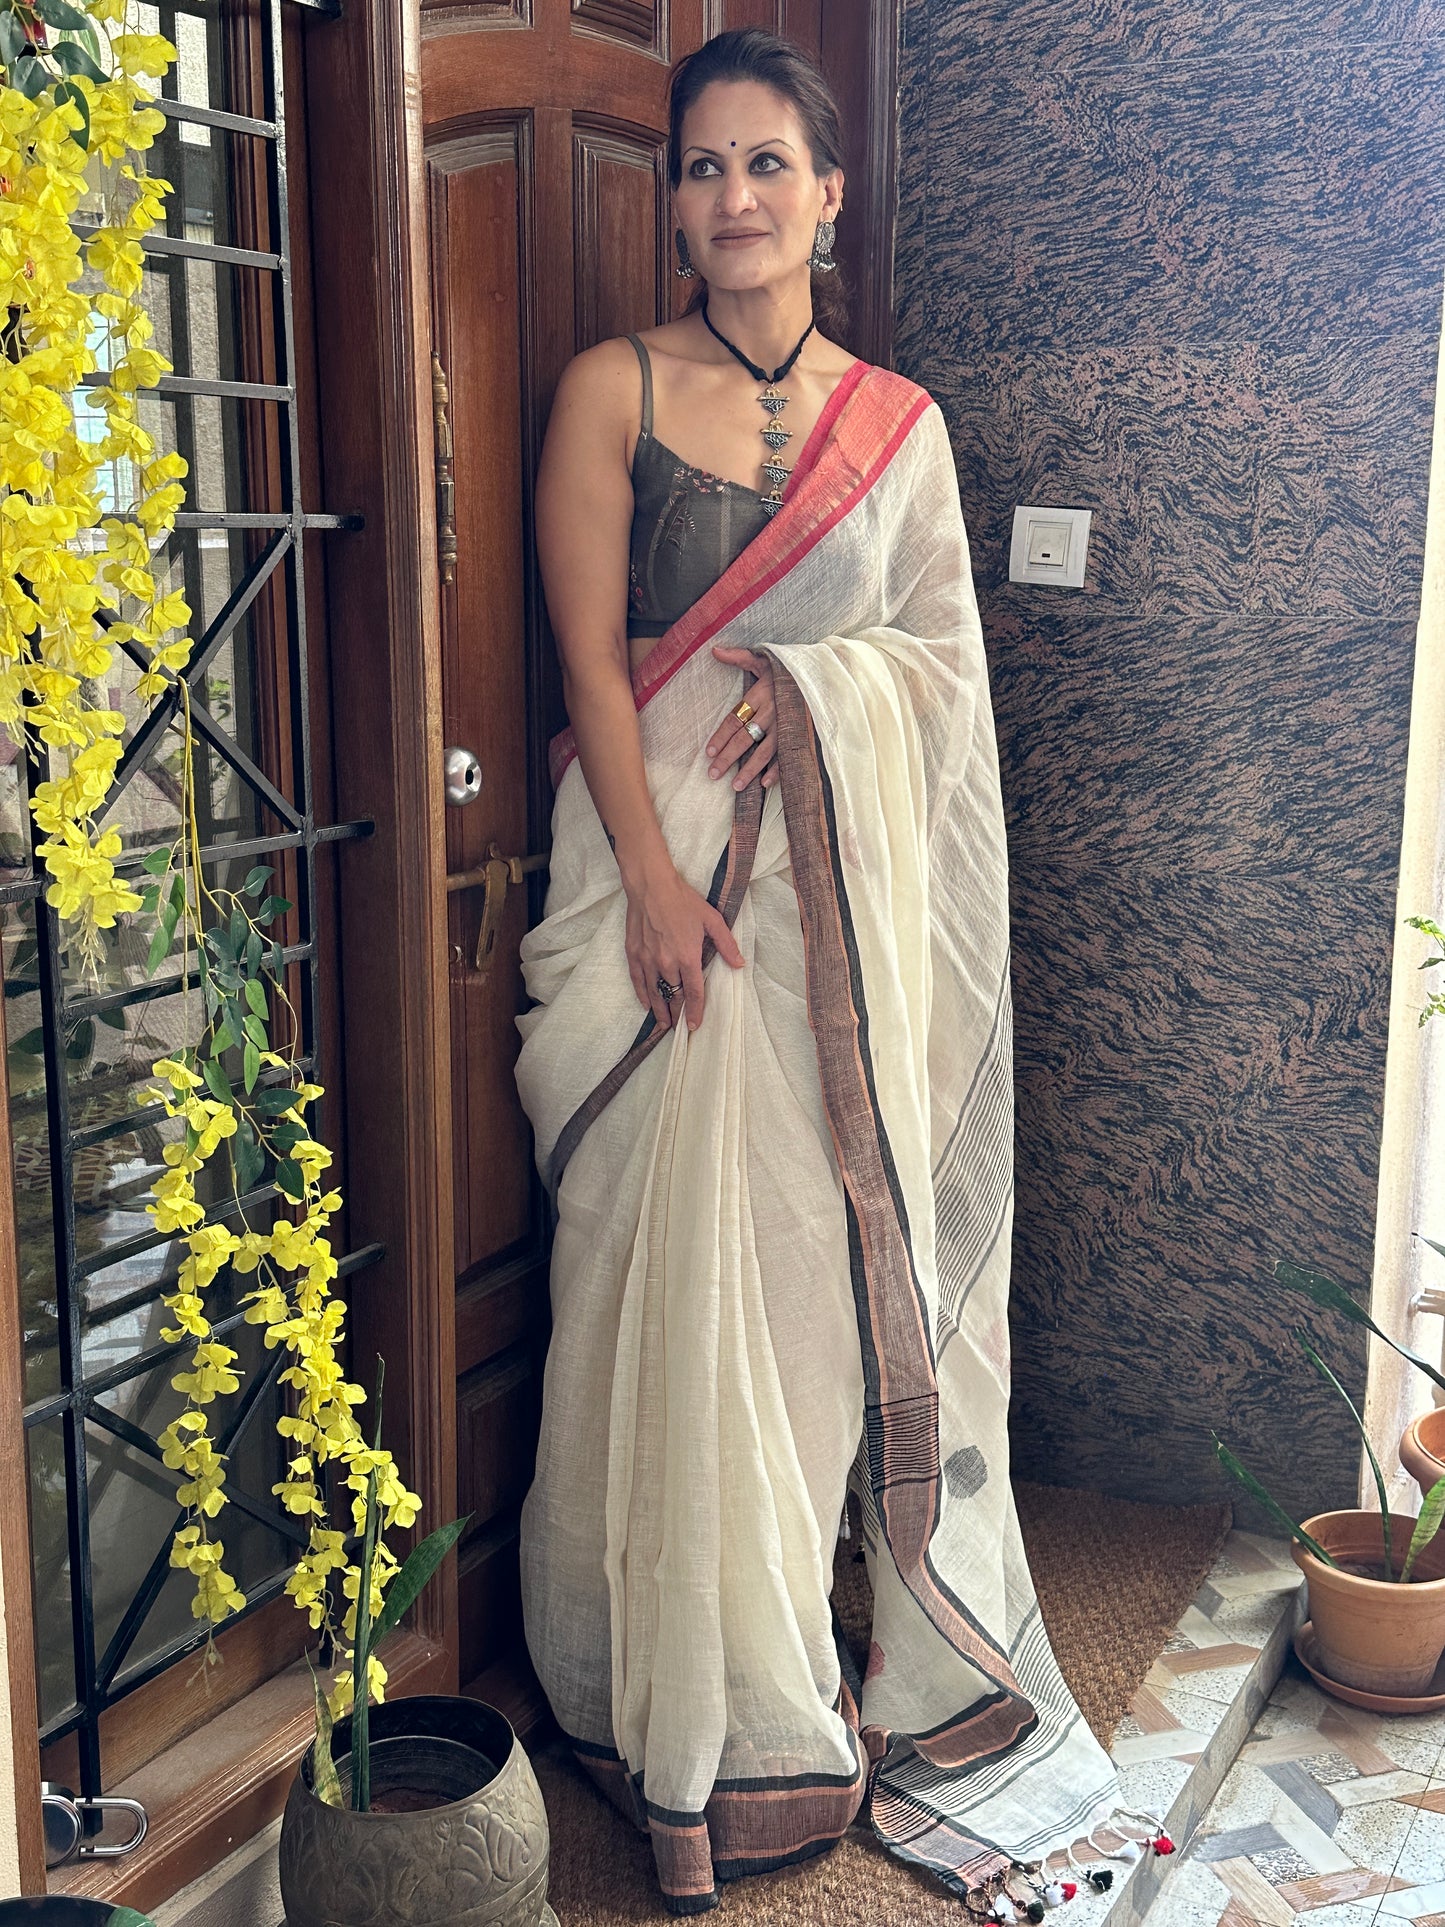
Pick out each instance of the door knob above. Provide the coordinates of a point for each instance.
(463, 776)
(493, 877)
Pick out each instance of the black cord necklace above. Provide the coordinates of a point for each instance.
(773, 433)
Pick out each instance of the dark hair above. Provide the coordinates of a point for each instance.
(750, 53)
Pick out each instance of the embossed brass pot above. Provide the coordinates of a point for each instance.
(465, 1846)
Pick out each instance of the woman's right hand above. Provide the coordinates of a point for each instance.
(667, 921)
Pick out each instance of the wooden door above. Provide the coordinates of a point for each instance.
(544, 137)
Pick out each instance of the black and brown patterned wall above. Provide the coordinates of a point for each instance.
(1181, 264)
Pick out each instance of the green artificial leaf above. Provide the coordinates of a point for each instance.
(1381, 1494)
(32, 1044)
(415, 1574)
(1427, 928)
(256, 880)
(256, 1031)
(81, 1041)
(286, 1136)
(150, 899)
(12, 37)
(250, 1063)
(66, 90)
(113, 1019)
(323, 1767)
(240, 929)
(193, 1140)
(223, 1040)
(278, 962)
(1277, 1512)
(29, 76)
(272, 1103)
(72, 58)
(157, 863)
(253, 953)
(273, 907)
(59, 13)
(1432, 1512)
(217, 1082)
(290, 1178)
(249, 1156)
(1325, 1292)
(160, 944)
(256, 998)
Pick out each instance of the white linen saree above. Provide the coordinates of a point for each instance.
(782, 1241)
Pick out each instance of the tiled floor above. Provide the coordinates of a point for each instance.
(1330, 1817)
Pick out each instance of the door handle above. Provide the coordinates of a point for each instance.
(463, 775)
(493, 878)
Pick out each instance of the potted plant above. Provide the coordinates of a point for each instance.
(420, 1812)
(1376, 1579)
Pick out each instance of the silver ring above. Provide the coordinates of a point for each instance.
(669, 991)
(755, 731)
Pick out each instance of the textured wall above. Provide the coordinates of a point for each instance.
(1182, 265)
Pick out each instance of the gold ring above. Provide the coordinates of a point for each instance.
(744, 710)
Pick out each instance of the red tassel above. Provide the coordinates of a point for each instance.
(1163, 1844)
(1070, 1887)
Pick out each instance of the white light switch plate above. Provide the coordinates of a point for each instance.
(1050, 545)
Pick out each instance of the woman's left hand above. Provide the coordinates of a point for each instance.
(731, 739)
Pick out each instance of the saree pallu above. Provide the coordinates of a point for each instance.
(782, 1241)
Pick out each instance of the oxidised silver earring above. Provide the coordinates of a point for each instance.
(684, 270)
(821, 260)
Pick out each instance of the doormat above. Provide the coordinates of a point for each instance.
(1114, 1578)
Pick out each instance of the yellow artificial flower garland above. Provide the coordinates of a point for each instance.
(67, 126)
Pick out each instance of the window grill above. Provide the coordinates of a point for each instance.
(110, 1613)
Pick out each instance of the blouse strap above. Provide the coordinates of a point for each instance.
(645, 362)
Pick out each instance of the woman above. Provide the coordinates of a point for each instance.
(781, 1252)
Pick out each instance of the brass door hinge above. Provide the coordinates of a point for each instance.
(446, 486)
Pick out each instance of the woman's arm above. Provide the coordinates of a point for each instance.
(584, 524)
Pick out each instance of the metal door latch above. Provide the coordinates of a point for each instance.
(494, 876)
(66, 1817)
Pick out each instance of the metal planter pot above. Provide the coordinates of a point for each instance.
(457, 1835)
(59, 1910)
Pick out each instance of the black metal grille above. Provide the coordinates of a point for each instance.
(91, 1421)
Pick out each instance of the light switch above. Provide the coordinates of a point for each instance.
(1050, 545)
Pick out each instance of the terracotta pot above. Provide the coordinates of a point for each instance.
(1422, 1450)
(465, 1844)
(1375, 1633)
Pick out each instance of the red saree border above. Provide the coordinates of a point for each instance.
(866, 420)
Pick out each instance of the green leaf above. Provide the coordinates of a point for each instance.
(250, 1063)
(12, 37)
(158, 862)
(1432, 1512)
(273, 907)
(193, 1140)
(217, 1082)
(256, 998)
(66, 90)
(160, 944)
(1277, 1512)
(414, 1575)
(32, 1044)
(72, 58)
(253, 953)
(256, 1031)
(59, 13)
(323, 1767)
(1381, 1494)
(1325, 1292)
(223, 1040)
(273, 1102)
(29, 75)
(286, 1136)
(289, 1177)
(249, 1156)
(257, 880)
(150, 899)
(81, 1040)
(240, 929)
(113, 1019)
(278, 962)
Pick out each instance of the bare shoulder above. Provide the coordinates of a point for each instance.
(601, 383)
